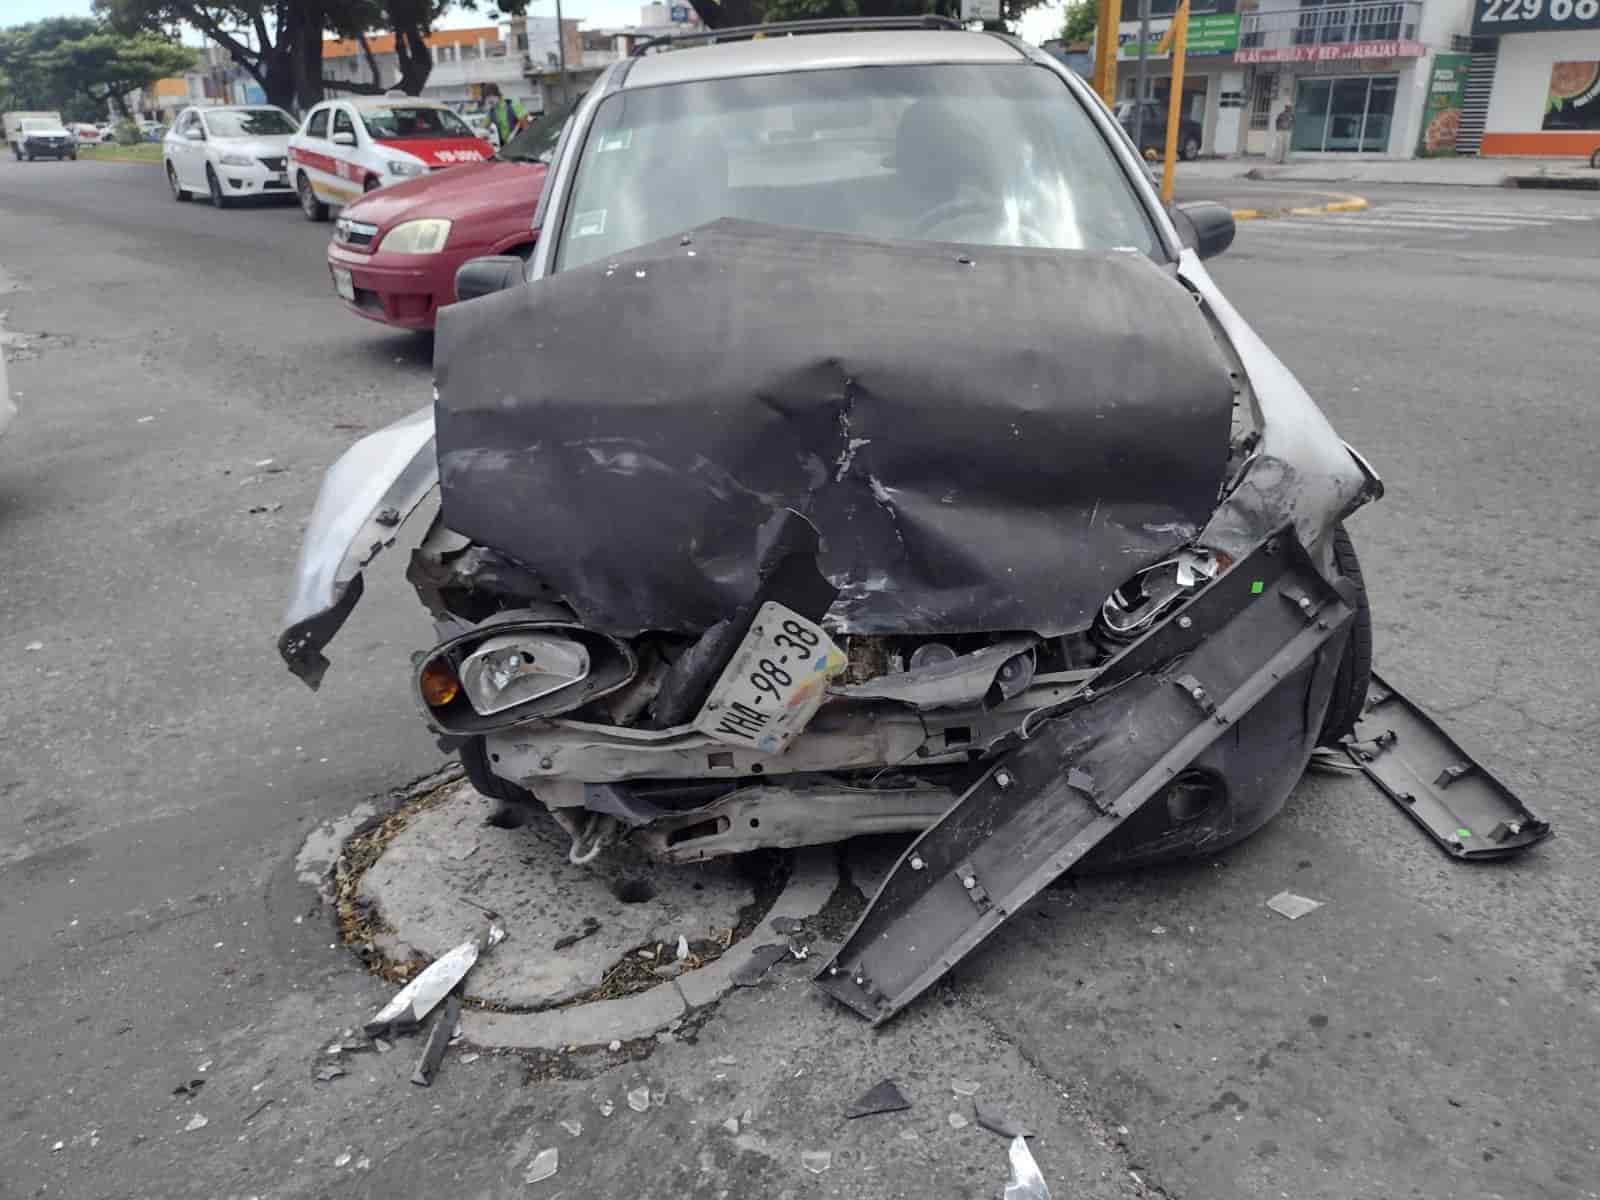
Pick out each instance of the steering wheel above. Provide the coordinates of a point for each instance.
(962, 210)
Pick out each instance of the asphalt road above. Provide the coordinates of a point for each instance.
(1429, 1032)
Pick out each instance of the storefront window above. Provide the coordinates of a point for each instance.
(1347, 114)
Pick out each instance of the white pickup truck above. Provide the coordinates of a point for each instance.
(34, 135)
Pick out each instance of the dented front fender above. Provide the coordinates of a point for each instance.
(366, 496)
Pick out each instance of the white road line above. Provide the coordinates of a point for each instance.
(1468, 218)
(1529, 213)
(1430, 226)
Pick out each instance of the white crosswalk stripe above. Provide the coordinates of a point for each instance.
(1415, 221)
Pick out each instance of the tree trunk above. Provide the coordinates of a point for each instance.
(416, 60)
(301, 35)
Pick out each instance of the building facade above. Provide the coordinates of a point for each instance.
(1540, 66)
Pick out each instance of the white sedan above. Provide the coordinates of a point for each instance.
(227, 153)
(350, 146)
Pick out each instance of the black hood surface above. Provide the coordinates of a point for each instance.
(985, 438)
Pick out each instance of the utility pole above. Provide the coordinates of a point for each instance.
(561, 56)
(1105, 49)
(1144, 55)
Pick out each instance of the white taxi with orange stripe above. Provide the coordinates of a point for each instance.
(349, 146)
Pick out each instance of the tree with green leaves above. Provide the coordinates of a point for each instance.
(279, 42)
(1078, 21)
(79, 64)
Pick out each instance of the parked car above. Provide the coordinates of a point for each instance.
(39, 135)
(152, 131)
(865, 448)
(1153, 136)
(395, 251)
(228, 153)
(356, 145)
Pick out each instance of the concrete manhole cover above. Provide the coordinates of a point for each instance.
(591, 952)
(568, 926)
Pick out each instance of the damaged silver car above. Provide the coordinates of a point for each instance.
(865, 449)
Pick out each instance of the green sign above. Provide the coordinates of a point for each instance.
(1441, 114)
(1209, 33)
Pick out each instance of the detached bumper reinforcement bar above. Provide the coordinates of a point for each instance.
(1147, 715)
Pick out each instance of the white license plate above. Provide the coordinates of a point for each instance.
(773, 686)
(343, 284)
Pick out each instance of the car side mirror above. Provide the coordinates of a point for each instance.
(344, 138)
(492, 273)
(1205, 227)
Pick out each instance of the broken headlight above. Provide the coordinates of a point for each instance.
(513, 669)
(1135, 606)
(507, 671)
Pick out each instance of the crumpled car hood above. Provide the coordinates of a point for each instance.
(986, 438)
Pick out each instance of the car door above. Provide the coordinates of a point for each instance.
(347, 141)
(313, 153)
(192, 150)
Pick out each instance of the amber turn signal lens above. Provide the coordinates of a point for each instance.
(439, 683)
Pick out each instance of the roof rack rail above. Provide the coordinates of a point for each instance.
(745, 33)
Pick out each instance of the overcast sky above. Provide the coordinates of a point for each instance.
(1036, 26)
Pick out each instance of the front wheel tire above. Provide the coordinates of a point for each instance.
(314, 209)
(178, 194)
(1355, 668)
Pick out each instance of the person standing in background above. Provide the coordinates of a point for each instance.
(506, 116)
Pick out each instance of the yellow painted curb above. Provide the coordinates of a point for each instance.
(1342, 204)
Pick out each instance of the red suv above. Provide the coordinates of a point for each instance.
(395, 251)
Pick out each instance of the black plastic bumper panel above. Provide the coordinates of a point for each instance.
(1151, 711)
(1469, 812)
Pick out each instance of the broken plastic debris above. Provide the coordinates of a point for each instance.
(963, 1087)
(496, 936)
(469, 1058)
(363, 1163)
(957, 1121)
(639, 1099)
(731, 1125)
(725, 1060)
(883, 1097)
(422, 994)
(683, 947)
(329, 1074)
(575, 1128)
(439, 1038)
(189, 1088)
(816, 1161)
(343, 1160)
(1026, 1182)
(910, 1135)
(1292, 906)
(381, 1046)
(544, 1164)
(614, 1046)
(607, 1108)
(996, 1120)
(58, 1148)
(34, 646)
(198, 1121)
(762, 959)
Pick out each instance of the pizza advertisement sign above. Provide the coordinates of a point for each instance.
(1574, 100)
(1441, 114)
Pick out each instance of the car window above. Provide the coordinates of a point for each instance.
(254, 122)
(538, 139)
(190, 123)
(996, 154)
(317, 126)
(342, 122)
(398, 122)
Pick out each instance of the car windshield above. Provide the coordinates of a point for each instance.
(38, 123)
(399, 122)
(537, 141)
(254, 122)
(991, 154)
